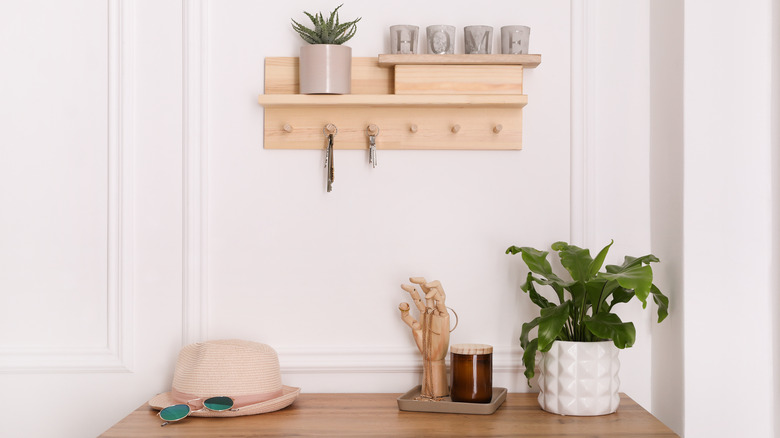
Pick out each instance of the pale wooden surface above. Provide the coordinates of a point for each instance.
(406, 121)
(458, 79)
(528, 61)
(304, 101)
(395, 123)
(281, 76)
(377, 415)
(471, 349)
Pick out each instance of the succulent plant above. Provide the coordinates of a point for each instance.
(328, 31)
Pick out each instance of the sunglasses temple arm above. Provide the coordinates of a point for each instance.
(165, 424)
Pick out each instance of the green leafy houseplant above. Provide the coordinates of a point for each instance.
(584, 309)
(329, 31)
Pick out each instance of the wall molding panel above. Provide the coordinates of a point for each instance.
(117, 353)
(584, 116)
(371, 359)
(195, 175)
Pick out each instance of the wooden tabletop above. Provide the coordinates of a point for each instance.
(377, 415)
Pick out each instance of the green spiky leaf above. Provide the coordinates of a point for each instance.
(326, 31)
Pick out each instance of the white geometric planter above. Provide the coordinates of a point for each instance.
(580, 378)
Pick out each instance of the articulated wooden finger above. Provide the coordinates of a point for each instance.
(415, 296)
(418, 280)
(437, 293)
(407, 318)
(423, 285)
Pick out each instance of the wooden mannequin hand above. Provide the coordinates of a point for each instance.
(434, 311)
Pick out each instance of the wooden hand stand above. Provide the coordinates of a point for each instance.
(432, 336)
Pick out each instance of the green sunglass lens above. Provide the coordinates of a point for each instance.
(218, 403)
(175, 412)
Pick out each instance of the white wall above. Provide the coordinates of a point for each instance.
(775, 112)
(153, 216)
(666, 198)
(90, 150)
(159, 175)
(728, 220)
(617, 163)
(315, 273)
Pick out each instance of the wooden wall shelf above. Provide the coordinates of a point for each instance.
(527, 61)
(417, 101)
(392, 100)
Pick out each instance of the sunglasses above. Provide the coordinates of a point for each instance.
(177, 412)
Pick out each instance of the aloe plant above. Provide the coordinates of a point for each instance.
(585, 303)
(329, 31)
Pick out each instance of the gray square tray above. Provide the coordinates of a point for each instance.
(407, 402)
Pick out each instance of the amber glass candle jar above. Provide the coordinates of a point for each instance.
(471, 367)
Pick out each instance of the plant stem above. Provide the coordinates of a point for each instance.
(601, 296)
(582, 311)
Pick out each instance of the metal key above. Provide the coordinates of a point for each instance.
(372, 150)
(331, 172)
(373, 132)
(330, 130)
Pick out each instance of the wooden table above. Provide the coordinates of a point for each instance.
(378, 415)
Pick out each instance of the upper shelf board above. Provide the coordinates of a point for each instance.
(389, 100)
(527, 61)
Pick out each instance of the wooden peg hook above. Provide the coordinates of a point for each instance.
(455, 129)
(287, 128)
(412, 128)
(497, 128)
(372, 129)
(330, 128)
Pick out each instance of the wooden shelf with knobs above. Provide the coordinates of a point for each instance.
(415, 101)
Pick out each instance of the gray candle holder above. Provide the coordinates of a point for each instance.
(403, 39)
(441, 39)
(478, 39)
(514, 39)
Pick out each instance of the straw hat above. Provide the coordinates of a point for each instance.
(248, 372)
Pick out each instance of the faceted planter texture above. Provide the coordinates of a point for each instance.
(580, 378)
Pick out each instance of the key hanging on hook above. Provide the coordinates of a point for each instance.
(330, 130)
(372, 131)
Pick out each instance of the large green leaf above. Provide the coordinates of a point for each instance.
(577, 291)
(537, 263)
(575, 259)
(551, 323)
(609, 326)
(529, 359)
(662, 301)
(535, 259)
(637, 277)
(556, 284)
(621, 295)
(534, 295)
(527, 327)
(595, 266)
(629, 262)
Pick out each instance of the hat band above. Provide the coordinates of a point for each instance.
(240, 400)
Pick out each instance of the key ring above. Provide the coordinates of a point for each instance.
(456, 319)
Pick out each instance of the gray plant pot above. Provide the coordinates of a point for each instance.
(326, 69)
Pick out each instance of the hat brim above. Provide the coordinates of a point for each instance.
(289, 394)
